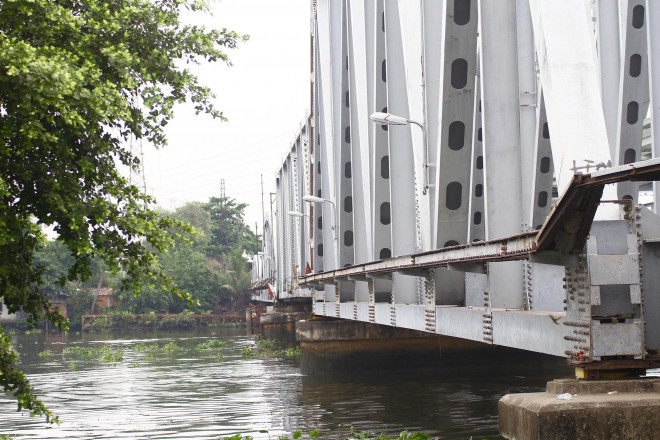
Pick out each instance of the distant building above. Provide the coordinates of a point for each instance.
(104, 298)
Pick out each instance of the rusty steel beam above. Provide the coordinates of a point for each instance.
(506, 249)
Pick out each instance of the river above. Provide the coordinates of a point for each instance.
(193, 393)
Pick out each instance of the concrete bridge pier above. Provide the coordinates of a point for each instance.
(572, 409)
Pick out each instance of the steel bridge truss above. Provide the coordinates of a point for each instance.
(514, 203)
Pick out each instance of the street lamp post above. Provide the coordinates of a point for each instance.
(314, 199)
(389, 119)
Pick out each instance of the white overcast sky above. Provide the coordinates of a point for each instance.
(265, 96)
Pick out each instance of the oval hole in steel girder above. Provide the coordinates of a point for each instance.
(456, 135)
(459, 68)
(347, 170)
(384, 126)
(543, 199)
(385, 167)
(546, 131)
(383, 21)
(383, 73)
(632, 112)
(545, 164)
(347, 99)
(385, 253)
(629, 156)
(478, 190)
(318, 167)
(319, 223)
(638, 16)
(318, 193)
(347, 134)
(635, 65)
(319, 249)
(348, 204)
(450, 243)
(477, 218)
(454, 196)
(480, 162)
(480, 135)
(627, 197)
(461, 12)
(385, 217)
(348, 238)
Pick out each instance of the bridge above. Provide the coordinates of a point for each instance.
(484, 170)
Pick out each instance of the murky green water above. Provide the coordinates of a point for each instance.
(208, 394)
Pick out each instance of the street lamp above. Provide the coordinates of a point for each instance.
(390, 119)
(314, 199)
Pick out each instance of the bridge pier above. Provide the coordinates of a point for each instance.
(279, 322)
(584, 410)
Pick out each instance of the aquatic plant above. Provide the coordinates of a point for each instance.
(170, 347)
(43, 354)
(107, 355)
(210, 344)
(140, 348)
(272, 348)
(248, 353)
(34, 331)
(81, 352)
(73, 365)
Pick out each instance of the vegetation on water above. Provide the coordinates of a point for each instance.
(270, 348)
(211, 344)
(350, 434)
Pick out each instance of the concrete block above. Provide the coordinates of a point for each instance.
(616, 410)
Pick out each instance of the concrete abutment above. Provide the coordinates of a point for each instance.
(572, 409)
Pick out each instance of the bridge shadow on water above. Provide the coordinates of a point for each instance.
(456, 399)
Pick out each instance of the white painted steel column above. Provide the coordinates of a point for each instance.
(565, 47)
(326, 13)
(541, 196)
(528, 90)
(632, 93)
(501, 140)
(433, 23)
(359, 122)
(402, 175)
(609, 55)
(653, 39)
(380, 162)
(451, 217)
(477, 218)
(412, 27)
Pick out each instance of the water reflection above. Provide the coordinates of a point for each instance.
(190, 393)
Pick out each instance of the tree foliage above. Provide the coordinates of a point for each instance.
(228, 229)
(78, 79)
(238, 274)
